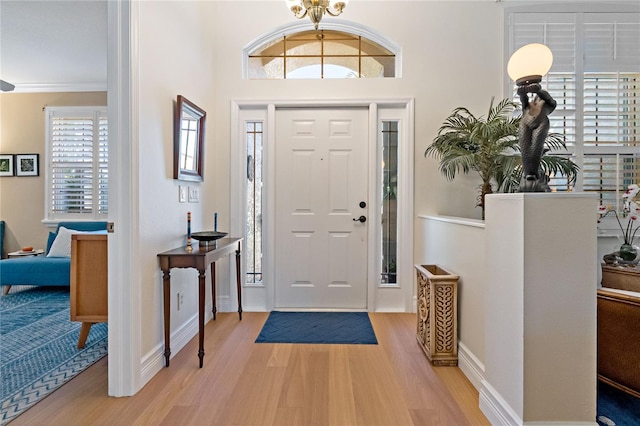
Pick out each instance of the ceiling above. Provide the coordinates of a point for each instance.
(51, 45)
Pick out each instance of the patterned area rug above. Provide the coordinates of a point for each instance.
(318, 327)
(38, 353)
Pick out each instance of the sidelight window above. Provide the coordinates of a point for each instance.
(253, 251)
(389, 186)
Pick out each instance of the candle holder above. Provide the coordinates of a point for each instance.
(188, 230)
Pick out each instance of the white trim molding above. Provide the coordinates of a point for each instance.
(470, 366)
(327, 24)
(495, 408)
(397, 298)
(59, 87)
(153, 362)
(125, 303)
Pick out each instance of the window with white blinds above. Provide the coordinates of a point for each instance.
(595, 80)
(77, 163)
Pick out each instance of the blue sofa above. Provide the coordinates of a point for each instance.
(1, 239)
(43, 270)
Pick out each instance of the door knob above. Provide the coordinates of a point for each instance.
(360, 219)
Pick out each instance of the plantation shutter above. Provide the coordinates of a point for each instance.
(558, 32)
(103, 166)
(78, 163)
(595, 81)
(611, 104)
(610, 175)
(611, 42)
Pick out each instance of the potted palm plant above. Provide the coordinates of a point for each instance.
(489, 146)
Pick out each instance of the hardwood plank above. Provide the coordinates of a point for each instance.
(342, 404)
(244, 383)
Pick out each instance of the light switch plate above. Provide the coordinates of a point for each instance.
(194, 195)
(182, 193)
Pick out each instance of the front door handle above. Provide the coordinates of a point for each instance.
(361, 219)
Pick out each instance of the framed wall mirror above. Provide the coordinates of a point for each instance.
(188, 144)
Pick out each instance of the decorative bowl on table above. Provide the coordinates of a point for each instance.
(206, 237)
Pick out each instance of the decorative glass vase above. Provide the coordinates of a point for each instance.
(628, 252)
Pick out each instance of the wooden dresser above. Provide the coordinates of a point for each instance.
(618, 328)
(621, 277)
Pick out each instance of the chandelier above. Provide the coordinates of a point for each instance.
(316, 8)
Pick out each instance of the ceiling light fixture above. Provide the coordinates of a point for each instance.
(5, 86)
(316, 8)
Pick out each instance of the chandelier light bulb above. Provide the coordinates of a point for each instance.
(294, 5)
(339, 4)
(530, 63)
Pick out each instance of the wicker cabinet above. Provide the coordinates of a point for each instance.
(438, 314)
(88, 293)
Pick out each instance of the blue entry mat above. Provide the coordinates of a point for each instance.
(352, 328)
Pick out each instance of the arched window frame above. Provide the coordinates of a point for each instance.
(328, 24)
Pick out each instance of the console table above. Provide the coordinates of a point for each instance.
(199, 257)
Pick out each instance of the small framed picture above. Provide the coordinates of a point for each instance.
(6, 165)
(27, 165)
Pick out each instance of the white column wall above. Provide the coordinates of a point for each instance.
(540, 316)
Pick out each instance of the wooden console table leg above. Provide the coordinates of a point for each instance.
(213, 289)
(238, 281)
(201, 297)
(166, 283)
(84, 333)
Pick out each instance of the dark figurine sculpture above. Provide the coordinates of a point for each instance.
(534, 127)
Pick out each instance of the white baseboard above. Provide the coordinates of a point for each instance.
(471, 366)
(153, 361)
(495, 408)
(500, 413)
(224, 305)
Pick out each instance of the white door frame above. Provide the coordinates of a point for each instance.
(125, 303)
(389, 298)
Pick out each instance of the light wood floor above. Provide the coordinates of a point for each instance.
(244, 383)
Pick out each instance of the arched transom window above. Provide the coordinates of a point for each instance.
(321, 54)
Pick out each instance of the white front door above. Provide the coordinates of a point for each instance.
(321, 185)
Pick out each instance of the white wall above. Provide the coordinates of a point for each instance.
(437, 56)
(444, 43)
(458, 245)
(175, 57)
(452, 56)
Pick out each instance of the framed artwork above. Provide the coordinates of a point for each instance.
(27, 165)
(6, 165)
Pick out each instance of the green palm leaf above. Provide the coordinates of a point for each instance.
(489, 146)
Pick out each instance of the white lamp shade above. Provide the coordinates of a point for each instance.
(534, 59)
